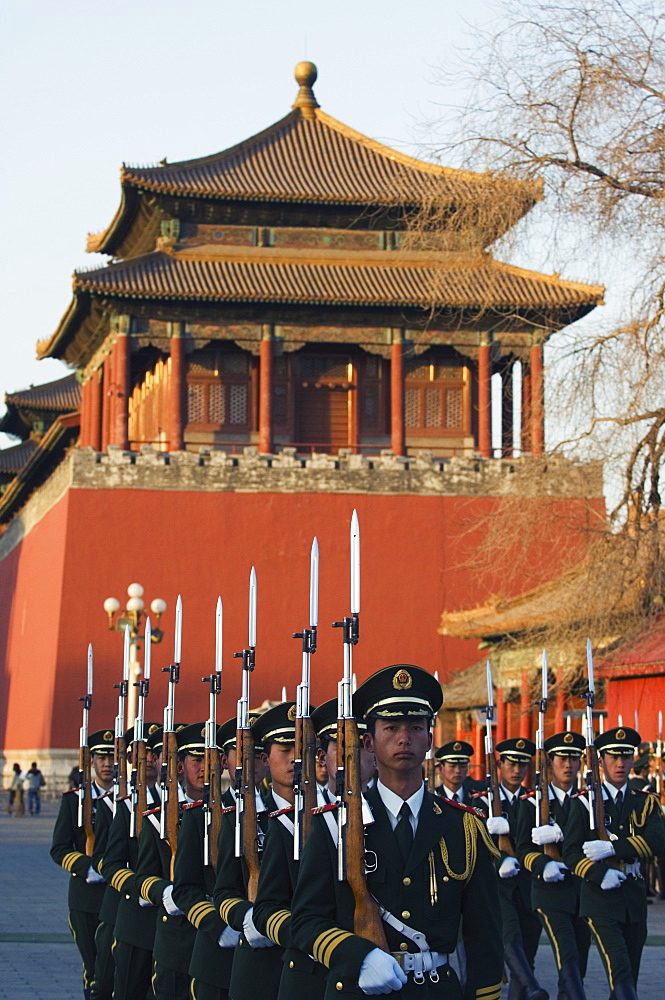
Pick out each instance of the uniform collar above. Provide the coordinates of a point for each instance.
(280, 802)
(614, 791)
(394, 803)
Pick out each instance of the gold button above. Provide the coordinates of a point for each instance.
(291, 964)
(406, 914)
(339, 986)
(446, 879)
(403, 946)
(406, 881)
(164, 919)
(127, 896)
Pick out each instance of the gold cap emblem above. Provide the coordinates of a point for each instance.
(181, 726)
(520, 745)
(152, 729)
(457, 746)
(203, 732)
(402, 680)
(108, 735)
(568, 738)
(291, 714)
(621, 734)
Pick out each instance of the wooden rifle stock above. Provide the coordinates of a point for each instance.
(141, 759)
(505, 843)
(213, 783)
(305, 751)
(250, 842)
(367, 921)
(86, 791)
(551, 850)
(172, 804)
(596, 793)
(429, 773)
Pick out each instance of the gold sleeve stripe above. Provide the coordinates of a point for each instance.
(146, 886)
(226, 907)
(641, 846)
(529, 859)
(325, 944)
(70, 860)
(275, 923)
(582, 867)
(120, 878)
(489, 992)
(199, 911)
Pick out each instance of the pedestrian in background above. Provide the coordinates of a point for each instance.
(16, 792)
(35, 783)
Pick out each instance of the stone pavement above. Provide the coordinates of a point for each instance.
(40, 962)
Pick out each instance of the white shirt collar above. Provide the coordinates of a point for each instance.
(448, 792)
(394, 803)
(613, 790)
(559, 792)
(280, 802)
(510, 796)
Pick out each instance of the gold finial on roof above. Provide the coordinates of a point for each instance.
(306, 74)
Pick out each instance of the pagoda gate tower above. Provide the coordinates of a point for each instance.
(263, 352)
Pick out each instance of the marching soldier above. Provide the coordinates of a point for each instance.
(430, 866)
(174, 934)
(452, 764)
(134, 927)
(613, 894)
(555, 891)
(521, 927)
(193, 886)
(68, 849)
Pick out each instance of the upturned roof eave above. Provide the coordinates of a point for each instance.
(21, 486)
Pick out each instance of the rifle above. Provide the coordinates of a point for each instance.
(351, 831)
(660, 786)
(119, 744)
(505, 843)
(169, 784)
(304, 765)
(212, 782)
(593, 784)
(85, 784)
(246, 834)
(541, 782)
(139, 775)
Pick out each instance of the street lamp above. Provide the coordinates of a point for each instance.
(132, 615)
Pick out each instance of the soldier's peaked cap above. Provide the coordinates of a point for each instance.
(148, 727)
(517, 749)
(619, 742)
(277, 725)
(456, 752)
(192, 739)
(101, 741)
(565, 744)
(398, 691)
(154, 740)
(226, 734)
(325, 721)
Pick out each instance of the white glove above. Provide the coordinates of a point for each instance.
(597, 850)
(228, 938)
(554, 871)
(498, 825)
(169, 905)
(612, 879)
(380, 973)
(144, 902)
(253, 938)
(92, 877)
(509, 868)
(550, 834)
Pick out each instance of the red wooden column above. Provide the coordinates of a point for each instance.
(120, 412)
(537, 401)
(84, 427)
(525, 707)
(96, 403)
(458, 726)
(107, 399)
(500, 715)
(176, 393)
(525, 430)
(484, 400)
(397, 432)
(265, 390)
(507, 412)
(560, 702)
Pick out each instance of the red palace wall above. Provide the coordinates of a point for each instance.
(646, 695)
(93, 543)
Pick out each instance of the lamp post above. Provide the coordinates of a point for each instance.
(132, 615)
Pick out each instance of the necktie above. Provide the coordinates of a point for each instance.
(618, 801)
(403, 832)
(455, 797)
(326, 795)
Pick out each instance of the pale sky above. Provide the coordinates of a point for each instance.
(87, 85)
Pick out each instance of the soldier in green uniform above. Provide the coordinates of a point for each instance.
(134, 927)
(613, 893)
(68, 850)
(521, 926)
(193, 886)
(174, 934)
(429, 866)
(555, 891)
(257, 959)
(452, 766)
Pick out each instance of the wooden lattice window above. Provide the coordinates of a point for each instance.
(434, 399)
(218, 389)
(371, 393)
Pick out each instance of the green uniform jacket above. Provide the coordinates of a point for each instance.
(68, 851)
(564, 897)
(134, 925)
(469, 793)
(520, 884)
(230, 896)
(452, 845)
(640, 834)
(193, 886)
(103, 820)
(174, 935)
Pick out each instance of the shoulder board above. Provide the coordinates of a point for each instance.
(578, 795)
(478, 795)
(70, 790)
(151, 812)
(107, 795)
(121, 798)
(228, 809)
(317, 810)
(192, 805)
(280, 812)
(467, 809)
(528, 795)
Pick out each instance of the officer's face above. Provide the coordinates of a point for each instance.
(453, 773)
(564, 770)
(512, 773)
(153, 762)
(192, 770)
(280, 759)
(400, 745)
(616, 769)
(103, 767)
